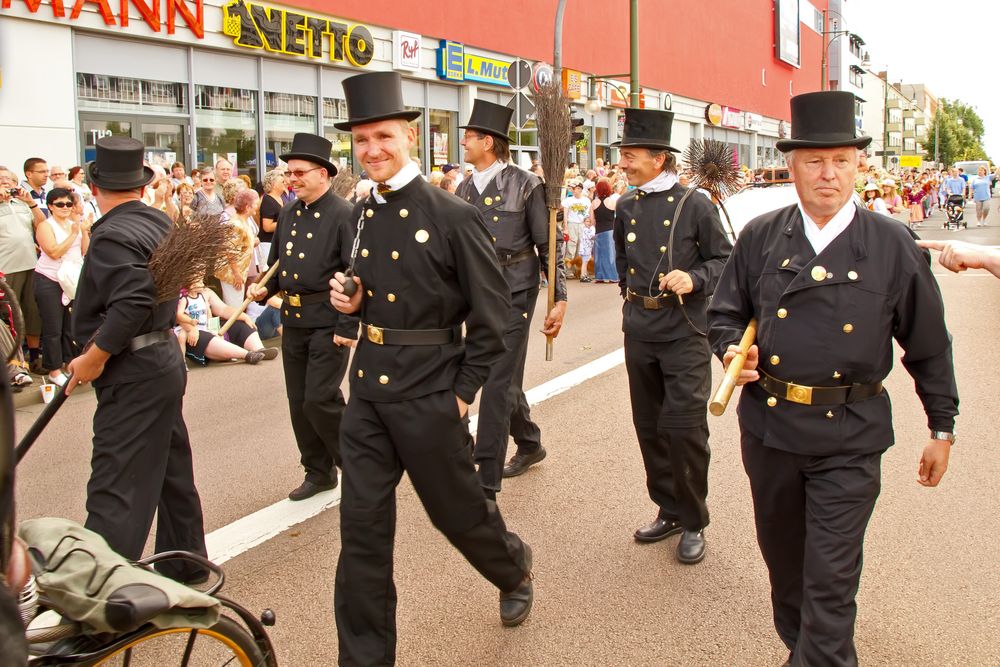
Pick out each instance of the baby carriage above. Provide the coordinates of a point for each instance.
(955, 210)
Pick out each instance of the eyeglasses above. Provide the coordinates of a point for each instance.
(299, 173)
(208, 180)
(61, 204)
(57, 174)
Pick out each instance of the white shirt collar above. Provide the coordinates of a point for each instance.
(818, 238)
(398, 180)
(482, 178)
(662, 182)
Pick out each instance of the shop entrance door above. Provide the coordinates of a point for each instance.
(164, 138)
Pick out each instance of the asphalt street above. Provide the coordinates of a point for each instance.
(930, 594)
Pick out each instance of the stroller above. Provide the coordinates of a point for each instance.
(955, 210)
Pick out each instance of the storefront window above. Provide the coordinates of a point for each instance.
(96, 92)
(226, 122)
(335, 111)
(284, 115)
(444, 140)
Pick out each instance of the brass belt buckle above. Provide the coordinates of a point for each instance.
(374, 334)
(294, 300)
(650, 303)
(796, 393)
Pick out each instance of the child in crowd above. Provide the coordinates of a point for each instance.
(194, 309)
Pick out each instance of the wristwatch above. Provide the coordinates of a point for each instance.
(943, 435)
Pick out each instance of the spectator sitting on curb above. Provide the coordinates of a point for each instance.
(194, 309)
(958, 256)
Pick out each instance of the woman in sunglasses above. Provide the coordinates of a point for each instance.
(207, 201)
(63, 241)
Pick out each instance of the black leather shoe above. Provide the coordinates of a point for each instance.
(691, 548)
(658, 529)
(521, 462)
(309, 489)
(516, 605)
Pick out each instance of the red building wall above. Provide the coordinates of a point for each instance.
(713, 51)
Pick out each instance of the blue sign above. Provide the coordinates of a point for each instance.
(451, 61)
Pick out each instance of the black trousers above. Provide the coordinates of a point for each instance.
(141, 466)
(58, 348)
(669, 384)
(314, 368)
(811, 514)
(426, 438)
(503, 406)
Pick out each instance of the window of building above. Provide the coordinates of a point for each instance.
(335, 111)
(909, 145)
(895, 139)
(226, 127)
(97, 92)
(418, 145)
(444, 138)
(285, 114)
(909, 124)
(895, 115)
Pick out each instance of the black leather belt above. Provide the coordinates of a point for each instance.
(383, 336)
(652, 302)
(797, 393)
(299, 300)
(507, 257)
(151, 338)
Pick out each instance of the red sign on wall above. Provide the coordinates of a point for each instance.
(156, 13)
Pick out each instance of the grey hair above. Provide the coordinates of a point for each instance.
(271, 177)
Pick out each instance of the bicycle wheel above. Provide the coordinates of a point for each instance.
(225, 644)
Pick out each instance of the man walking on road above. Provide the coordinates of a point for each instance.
(670, 250)
(831, 285)
(423, 264)
(512, 203)
(312, 241)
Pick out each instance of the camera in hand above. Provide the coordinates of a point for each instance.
(13, 192)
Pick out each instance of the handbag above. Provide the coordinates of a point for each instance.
(69, 276)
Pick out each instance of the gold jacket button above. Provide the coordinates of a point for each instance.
(403, 213)
(369, 213)
(309, 235)
(829, 276)
(364, 252)
(288, 252)
(666, 223)
(298, 315)
(853, 275)
(829, 414)
(395, 255)
(775, 360)
(295, 275)
(670, 198)
(785, 263)
(663, 248)
(782, 313)
(848, 328)
(631, 237)
(383, 379)
(772, 401)
(496, 218)
(632, 271)
(818, 273)
(422, 235)
(497, 198)
(836, 375)
(361, 373)
(302, 255)
(284, 273)
(633, 221)
(391, 297)
(370, 293)
(289, 245)
(294, 232)
(661, 276)
(488, 201)
(316, 214)
(298, 213)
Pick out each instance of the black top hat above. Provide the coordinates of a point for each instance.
(313, 148)
(372, 97)
(823, 120)
(647, 128)
(118, 165)
(489, 118)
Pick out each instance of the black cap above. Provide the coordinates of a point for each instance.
(823, 120)
(119, 164)
(372, 97)
(647, 128)
(313, 148)
(489, 118)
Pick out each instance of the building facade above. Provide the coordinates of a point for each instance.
(200, 80)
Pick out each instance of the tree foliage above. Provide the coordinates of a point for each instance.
(958, 140)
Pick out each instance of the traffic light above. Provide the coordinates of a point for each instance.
(574, 122)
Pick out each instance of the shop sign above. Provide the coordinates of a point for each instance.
(611, 94)
(754, 122)
(572, 83)
(454, 64)
(256, 26)
(541, 75)
(713, 114)
(405, 50)
(191, 11)
(668, 101)
(732, 118)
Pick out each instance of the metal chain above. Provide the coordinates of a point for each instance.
(357, 238)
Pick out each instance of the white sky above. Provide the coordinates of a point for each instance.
(952, 47)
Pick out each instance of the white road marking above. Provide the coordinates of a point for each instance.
(255, 529)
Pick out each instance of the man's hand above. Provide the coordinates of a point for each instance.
(554, 320)
(678, 282)
(958, 256)
(463, 407)
(749, 372)
(340, 341)
(933, 462)
(87, 367)
(341, 301)
(257, 291)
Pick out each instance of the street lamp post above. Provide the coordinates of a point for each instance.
(823, 84)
